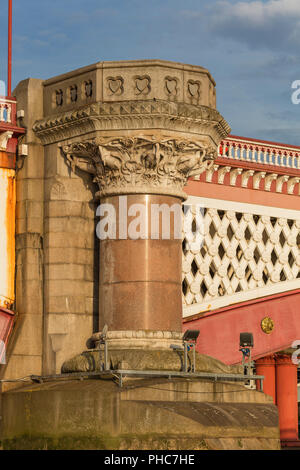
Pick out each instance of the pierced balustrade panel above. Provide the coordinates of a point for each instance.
(240, 252)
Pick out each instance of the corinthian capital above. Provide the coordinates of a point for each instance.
(141, 164)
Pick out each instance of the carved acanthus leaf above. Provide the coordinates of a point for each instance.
(141, 164)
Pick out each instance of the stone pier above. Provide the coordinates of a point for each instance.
(111, 139)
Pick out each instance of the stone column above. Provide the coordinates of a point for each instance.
(266, 366)
(140, 280)
(141, 183)
(286, 397)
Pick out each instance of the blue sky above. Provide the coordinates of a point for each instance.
(252, 48)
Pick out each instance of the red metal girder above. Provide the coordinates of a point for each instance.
(220, 329)
(235, 163)
(7, 318)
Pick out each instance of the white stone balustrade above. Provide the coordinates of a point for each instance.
(261, 152)
(5, 111)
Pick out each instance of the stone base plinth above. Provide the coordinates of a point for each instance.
(144, 414)
(139, 339)
(149, 360)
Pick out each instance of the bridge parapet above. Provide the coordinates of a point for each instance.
(260, 152)
(247, 252)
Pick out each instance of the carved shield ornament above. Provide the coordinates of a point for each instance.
(171, 86)
(115, 85)
(73, 93)
(194, 88)
(88, 86)
(142, 84)
(59, 97)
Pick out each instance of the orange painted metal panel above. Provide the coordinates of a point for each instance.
(7, 160)
(7, 236)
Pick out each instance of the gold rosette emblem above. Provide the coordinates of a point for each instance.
(267, 325)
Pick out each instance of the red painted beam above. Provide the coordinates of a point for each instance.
(220, 329)
(280, 170)
(241, 195)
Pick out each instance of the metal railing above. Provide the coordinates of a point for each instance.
(121, 374)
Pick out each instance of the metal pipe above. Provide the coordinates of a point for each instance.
(106, 355)
(150, 373)
(194, 358)
(185, 357)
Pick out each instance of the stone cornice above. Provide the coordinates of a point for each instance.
(133, 115)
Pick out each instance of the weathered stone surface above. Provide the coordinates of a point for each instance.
(29, 94)
(70, 255)
(17, 365)
(70, 209)
(31, 343)
(139, 359)
(130, 80)
(97, 414)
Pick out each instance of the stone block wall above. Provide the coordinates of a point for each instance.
(70, 263)
(56, 297)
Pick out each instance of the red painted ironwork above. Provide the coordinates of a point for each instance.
(264, 142)
(221, 328)
(7, 318)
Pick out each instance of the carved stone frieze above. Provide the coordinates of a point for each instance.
(132, 115)
(141, 164)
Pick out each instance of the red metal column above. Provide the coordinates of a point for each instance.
(266, 366)
(286, 397)
(9, 47)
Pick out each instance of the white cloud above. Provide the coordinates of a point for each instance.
(2, 88)
(259, 12)
(274, 24)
